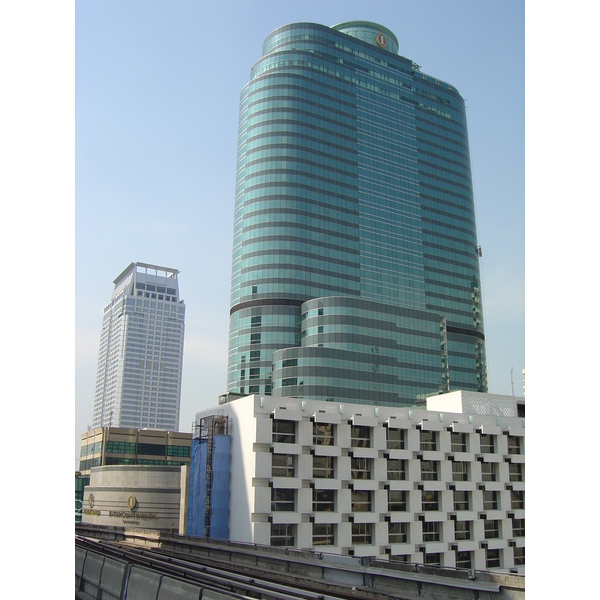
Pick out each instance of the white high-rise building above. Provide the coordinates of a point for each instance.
(138, 382)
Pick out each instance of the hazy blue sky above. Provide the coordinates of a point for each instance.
(157, 92)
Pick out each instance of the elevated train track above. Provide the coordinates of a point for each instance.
(209, 569)
(229, 580)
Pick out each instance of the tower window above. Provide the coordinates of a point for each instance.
(429, 500)
(397, 500)
(491, 529)
(492, 558)
(361, 500)
(462, 530)
(486, 443)
(361, 533)
(360, 436)
(282, 465)
(360, 468)
(429, 470)
(431, 531)
(397, 533)
(395, 438)
(323, 501)
(428, 440)
(323, 534)
(282, 534)
(323, 434)
(284, 432)
(283, 500)
(396, 469)
(323, 467)
(458, 442)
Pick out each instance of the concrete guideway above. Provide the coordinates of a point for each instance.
(123, 560)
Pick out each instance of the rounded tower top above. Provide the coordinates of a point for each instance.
(372, 33)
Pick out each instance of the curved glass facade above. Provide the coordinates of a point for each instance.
(353, 180)
(353, 349)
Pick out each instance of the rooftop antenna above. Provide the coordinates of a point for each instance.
(512, 385)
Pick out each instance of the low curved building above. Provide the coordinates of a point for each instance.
(150, 497)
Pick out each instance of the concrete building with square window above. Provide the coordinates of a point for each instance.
(438, 486)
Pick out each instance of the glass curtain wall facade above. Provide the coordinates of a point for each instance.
(138, 382)
(355, 271)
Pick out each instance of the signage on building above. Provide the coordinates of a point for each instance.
(128, 515)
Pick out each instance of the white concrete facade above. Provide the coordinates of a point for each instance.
(424, 486)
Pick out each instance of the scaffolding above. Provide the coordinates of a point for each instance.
(204, 434)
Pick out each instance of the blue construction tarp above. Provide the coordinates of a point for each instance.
(197, 490)
(219, 522)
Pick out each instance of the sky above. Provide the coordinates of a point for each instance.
(157, 88)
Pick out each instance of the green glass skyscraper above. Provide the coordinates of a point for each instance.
(355, 272)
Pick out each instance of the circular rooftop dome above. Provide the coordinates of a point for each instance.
(372, 33)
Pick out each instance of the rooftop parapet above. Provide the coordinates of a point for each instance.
(476, 403)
